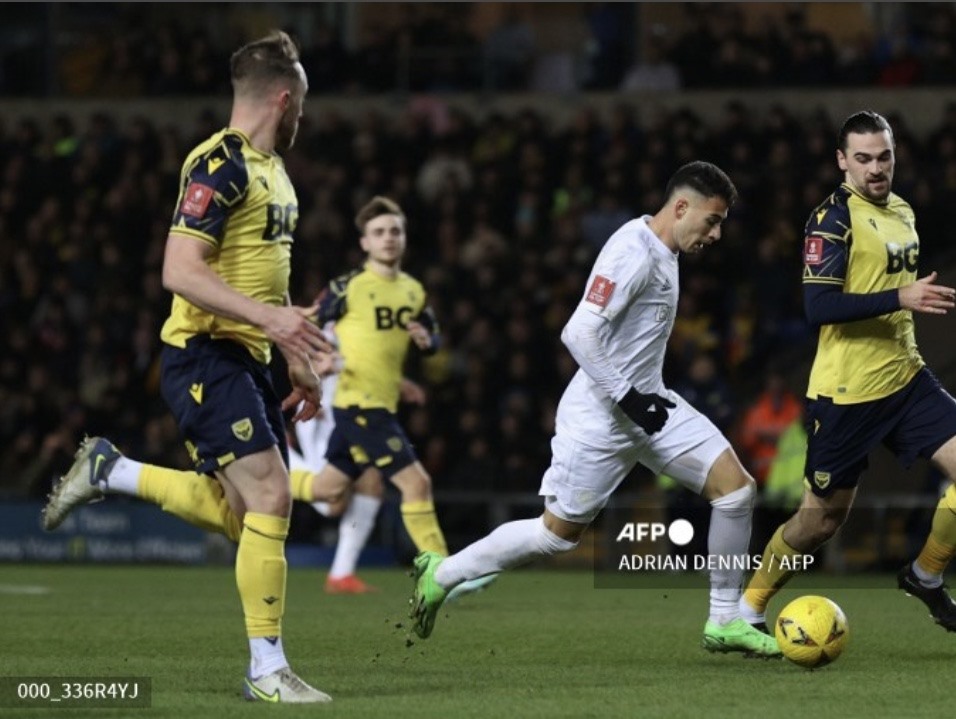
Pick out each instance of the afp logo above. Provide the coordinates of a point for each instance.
(679, 532)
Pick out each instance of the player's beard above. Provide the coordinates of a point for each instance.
(285, 133)
(881, 195)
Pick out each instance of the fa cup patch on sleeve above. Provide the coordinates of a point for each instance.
(600, 292)
(813, 251)
(196, 199)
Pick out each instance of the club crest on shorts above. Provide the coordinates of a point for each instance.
(821, 479)
(242, 429)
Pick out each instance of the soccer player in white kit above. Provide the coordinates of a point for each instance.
(616, 412)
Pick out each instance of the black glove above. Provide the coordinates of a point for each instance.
(647, 411)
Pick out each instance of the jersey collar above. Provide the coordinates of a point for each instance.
(853, 191)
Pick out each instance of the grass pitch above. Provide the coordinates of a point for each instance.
(535, 644)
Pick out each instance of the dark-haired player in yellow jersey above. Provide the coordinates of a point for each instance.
(227, 263)
(378, 311)
(868, 384)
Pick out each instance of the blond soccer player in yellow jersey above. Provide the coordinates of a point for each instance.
(227, 263)
(869, 384)
(378, 311)
(358, 510)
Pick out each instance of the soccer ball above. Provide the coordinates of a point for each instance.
(811, 631)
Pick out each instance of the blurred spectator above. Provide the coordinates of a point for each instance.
(509, 49)
(784, 486)
(708, 391)
(608, 48)
(764, 421)
(654, 72)
(376, 60)
(326, 61)
(430, 47)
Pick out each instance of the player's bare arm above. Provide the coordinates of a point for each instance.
(186, 273)
(926, 296)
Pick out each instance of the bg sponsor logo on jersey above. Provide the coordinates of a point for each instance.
(386, 318)
(280, 221)
(901, 258)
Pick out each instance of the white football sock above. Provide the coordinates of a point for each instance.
(749, 613)
(926, 578)
(728, 543)
(508, 546)
(267, 656)
(123, 477)
(354, 528)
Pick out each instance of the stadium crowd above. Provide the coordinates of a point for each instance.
(505, 216)
(119, 50)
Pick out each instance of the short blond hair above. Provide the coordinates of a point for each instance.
(376, 207)
(263, 61)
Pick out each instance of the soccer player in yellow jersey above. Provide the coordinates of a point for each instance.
(378, 311)
(227, 263)
(868, 384)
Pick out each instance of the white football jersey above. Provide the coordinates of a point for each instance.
(313, 434)
(633, 286)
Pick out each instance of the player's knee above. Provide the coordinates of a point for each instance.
(727, 476)
(741, 495)
(337, 508)
(415, 485)
(272, 498)
(548, 543)
(370, 484)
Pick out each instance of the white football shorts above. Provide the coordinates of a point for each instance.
(584, 473)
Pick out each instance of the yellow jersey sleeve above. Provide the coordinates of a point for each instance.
(240, 201)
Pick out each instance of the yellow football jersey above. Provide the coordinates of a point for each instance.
(241, 202)
(371, 315)
(863, 247)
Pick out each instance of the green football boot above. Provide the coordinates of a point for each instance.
(428, 595)
(739, 636)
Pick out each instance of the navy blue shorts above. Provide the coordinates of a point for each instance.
(365, 438)
(911, 423)
(223, 400)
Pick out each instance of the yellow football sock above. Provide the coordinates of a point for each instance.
(421, 523)
(197, 498)
(301, 485)
(772, 575)
(940, 546)
(261, 573)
